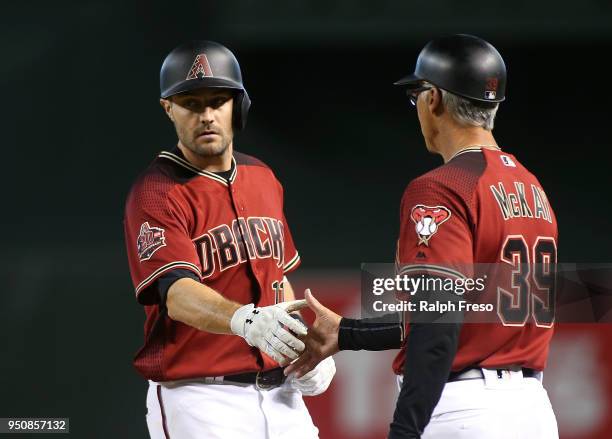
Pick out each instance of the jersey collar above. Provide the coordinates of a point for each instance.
(474, 148)
(177, 157)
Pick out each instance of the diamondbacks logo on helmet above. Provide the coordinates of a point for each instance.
(150, 239)
(200, 67)
(428, 220)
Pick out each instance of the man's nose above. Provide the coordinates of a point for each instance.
(207, 114)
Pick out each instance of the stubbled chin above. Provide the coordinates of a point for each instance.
(208, 149)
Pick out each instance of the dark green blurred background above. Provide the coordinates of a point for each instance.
(81, 119)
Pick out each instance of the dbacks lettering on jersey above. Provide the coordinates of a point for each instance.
(226, 246)
(428, 220)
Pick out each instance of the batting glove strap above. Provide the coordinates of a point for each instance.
(240, 318)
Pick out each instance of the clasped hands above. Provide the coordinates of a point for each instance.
(287, 340)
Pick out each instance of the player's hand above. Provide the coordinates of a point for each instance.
(317, 380)
(321, 340)
(263, 328)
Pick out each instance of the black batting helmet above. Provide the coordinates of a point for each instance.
(200, 64)
(464, 65)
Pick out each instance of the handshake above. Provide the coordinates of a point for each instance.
(287, 340)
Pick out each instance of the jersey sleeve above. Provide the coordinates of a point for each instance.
(157, 238)
(435, 230)
(292, 257)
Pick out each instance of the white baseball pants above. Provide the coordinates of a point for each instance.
(198, 410)
(510, 407)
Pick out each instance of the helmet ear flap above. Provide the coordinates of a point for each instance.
(242, 103)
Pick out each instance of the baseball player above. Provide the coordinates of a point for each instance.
(209, 247)
(482, 206)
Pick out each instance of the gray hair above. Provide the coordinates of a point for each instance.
(468, 112)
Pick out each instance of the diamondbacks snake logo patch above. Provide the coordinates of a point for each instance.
(428, 220)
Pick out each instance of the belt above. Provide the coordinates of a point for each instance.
(262, 380)
(475, 373)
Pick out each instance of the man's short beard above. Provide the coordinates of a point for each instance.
(208, 150)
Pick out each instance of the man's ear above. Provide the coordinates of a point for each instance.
(167, 106)
(434, 101)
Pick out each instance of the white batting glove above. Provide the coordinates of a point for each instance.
(317, 380)
(261, 327)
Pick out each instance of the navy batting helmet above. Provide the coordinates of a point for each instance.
(464, 65)
(201, 64)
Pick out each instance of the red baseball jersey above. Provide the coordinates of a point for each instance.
(231, 233)
(484, 207)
